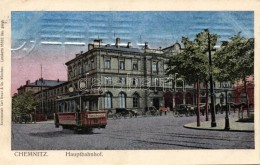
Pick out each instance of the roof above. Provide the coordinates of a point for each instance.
(120, 48)
(48, 83)
(116, 48)
(45, 83)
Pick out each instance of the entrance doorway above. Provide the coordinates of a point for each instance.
(168, 100)
(156, 103)
(178, 98)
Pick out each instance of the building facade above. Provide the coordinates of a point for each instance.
(114, 76)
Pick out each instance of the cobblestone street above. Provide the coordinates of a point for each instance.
(161, 132)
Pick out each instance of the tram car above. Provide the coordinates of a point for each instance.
(72, 115)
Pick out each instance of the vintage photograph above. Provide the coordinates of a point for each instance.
(132, 80)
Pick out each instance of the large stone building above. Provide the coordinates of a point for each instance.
(115, 76)
(38, 85)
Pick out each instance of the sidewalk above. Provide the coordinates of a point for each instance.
(234, 125)
(45, 122)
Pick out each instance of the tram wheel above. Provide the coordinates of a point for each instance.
(87, 130)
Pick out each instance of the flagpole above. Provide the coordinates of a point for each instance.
(41, 90)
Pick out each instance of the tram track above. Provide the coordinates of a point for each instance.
(154, 139)
(181, 135)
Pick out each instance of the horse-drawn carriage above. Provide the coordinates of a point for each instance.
(123, 112)
(22, 118)
(183, 109)
(150, 111)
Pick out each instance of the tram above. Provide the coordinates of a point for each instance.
(72, 115)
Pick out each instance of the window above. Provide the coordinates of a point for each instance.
(108, 80)
(92, 64)
(243, 97)
(70, 71)
(122, 65)
(79, 68)
(75, 71)
(92, 81)
(86, 66)
(155, 66)
(135, 81)
(165, 66)
(155, 81)
(229, 97)
(107, 64)
(122, 100)
(108, 100)
(135, 100)
(122, 80)
(221, 97)
(83, 67)
(135, 65)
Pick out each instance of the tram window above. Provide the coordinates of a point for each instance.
(72, 107)
(69, 106)
(59, 108)
(66, 107)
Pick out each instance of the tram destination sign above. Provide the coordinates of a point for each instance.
(96, 115)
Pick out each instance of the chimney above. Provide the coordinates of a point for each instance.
(146, 45)
(27, 82)
(97, 43)
(36, 82)
(58, 80)
(129, 45)
(90, 46)
(117, 42)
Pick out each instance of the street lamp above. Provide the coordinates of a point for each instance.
(212, 107)
(227, 127)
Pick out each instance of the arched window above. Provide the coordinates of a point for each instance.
(73, 103)
(243, 97)
(188, 98)
(66, 107)
(122, 100)
(136, 100)
(178, 98)
(108, 100)
(221, 97)
(230, 97)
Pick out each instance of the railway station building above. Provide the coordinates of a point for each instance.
(120, 76)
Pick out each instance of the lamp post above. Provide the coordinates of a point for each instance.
(34, 114)
(212, 107)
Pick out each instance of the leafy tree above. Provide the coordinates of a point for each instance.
(235, 60)
(24, 103)
(192, 62)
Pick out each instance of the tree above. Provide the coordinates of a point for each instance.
(235, 61)
(192, 62)
(24, 103)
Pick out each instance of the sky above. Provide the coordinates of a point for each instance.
(51, 39)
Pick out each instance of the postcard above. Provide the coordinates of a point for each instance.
(129, 82)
